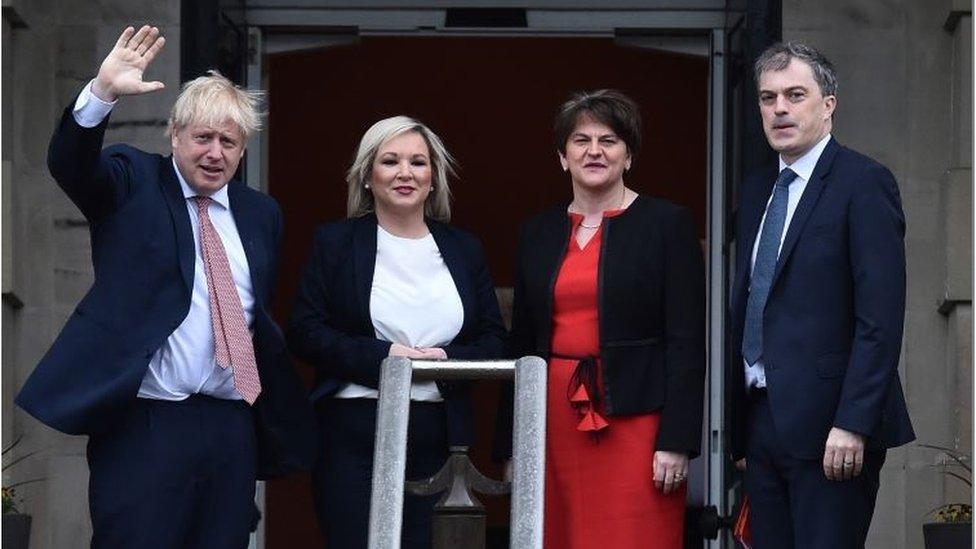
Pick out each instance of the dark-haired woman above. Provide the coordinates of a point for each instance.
(611, 289)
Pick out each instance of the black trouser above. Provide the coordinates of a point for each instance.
(342, 477)
(792, 504)
(174, 475)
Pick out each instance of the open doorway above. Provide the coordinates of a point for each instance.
(491, 99)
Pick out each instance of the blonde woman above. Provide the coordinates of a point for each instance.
(393, 279)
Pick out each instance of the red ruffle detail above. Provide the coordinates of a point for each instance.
(581, 396)
(592, 421)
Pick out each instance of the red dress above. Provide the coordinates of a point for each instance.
(599, 487)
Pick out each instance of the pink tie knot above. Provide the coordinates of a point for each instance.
(203, 202)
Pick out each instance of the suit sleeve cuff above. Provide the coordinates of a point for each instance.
(89, 110)
(857, 428)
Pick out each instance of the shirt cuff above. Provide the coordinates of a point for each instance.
(89, 110)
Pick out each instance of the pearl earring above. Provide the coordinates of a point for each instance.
(365, 185)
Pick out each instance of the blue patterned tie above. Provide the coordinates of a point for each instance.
(765, 266)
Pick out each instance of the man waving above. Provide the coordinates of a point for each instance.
(171, 362)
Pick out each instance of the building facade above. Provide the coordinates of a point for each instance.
(905, 69)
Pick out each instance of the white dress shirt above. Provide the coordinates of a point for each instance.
(413, 302)
(185, 365)
(803, 167)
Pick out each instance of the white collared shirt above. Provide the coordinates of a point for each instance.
(185, 365)
(803, 167)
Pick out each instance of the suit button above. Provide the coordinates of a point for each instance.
(149, 354)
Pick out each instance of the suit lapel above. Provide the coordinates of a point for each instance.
(364, 258)
(807, 202)
(752, 214)
(181, 219)
(245, 218)
(753, 217)
(454, 260)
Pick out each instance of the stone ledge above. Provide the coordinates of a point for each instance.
(12, 15)
(947, 305)
(958, 11)
(12, 300)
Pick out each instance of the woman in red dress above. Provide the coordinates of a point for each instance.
(611, 289)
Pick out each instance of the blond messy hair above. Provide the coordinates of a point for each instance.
(212, 100)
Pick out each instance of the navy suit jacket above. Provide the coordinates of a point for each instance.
(832, 326)
(143, 256)
(331, 328)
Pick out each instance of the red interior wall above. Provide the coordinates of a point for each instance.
(492, 101)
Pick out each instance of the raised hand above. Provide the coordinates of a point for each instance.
(121, 71)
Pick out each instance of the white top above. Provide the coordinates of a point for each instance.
(413, 302)
(803, 167)
(185, 363)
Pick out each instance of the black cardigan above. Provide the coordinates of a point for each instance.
(651, 299)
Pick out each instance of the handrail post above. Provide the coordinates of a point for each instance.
(390, 454)
(529, 447)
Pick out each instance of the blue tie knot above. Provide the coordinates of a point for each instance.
(786, 177)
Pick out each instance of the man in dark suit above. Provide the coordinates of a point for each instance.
(171, 363)
(817, 308)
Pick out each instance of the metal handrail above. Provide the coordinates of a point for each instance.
(390, 454)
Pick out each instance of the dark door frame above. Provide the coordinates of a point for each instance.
(220, 34)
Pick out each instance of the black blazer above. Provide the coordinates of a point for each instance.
(330, 326)
(832, 326)
(143, 255)
(651, 286)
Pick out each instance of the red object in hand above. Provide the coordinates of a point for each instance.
(742, 533)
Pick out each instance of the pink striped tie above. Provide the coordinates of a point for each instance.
(233, 340)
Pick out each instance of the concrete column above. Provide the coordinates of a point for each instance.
(958, 215)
